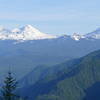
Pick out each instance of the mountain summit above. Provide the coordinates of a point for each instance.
(95, 34)
(28, 32)
(25, 33)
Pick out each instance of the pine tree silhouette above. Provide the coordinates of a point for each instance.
(9, 87)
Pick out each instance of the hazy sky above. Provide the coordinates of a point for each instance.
(52, 16)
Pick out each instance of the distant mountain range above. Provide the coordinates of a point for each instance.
(30, 33)
(77, 79)
(25, 48)
(25, 33)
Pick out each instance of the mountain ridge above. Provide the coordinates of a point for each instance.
(28, 32)
(71, 85)
(24, 33)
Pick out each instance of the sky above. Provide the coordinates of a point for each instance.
(52, 16)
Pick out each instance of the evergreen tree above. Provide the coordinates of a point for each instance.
(8, 90)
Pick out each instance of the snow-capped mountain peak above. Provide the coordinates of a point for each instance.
(95, 34)
(28, 28)
(31, 33)
(25, 33)
(28, 32)
(77, 37)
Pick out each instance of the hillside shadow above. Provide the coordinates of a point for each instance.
(93, 93)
